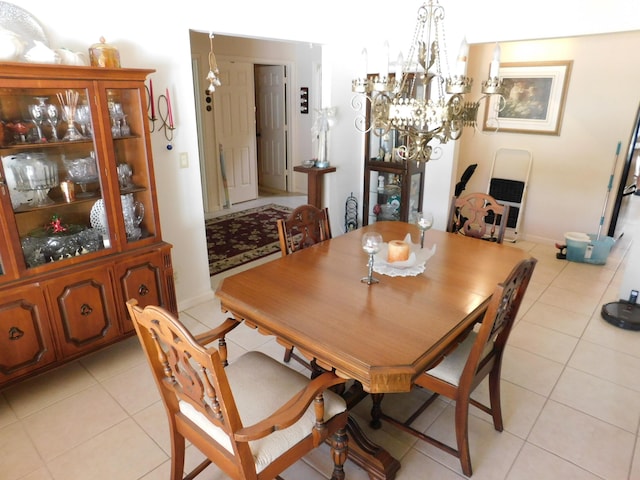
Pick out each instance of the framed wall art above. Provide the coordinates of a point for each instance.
(533, 99)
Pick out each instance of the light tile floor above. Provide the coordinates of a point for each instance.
(571, 399)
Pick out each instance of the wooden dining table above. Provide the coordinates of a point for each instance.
(383, 335)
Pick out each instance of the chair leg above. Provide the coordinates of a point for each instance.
(339, 449)
(287, 355)
(494, 398)
(177, 455)
(462, 435)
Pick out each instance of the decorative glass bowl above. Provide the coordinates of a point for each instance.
(82, 171)
(42, 246)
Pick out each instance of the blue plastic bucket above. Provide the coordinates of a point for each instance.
(585, 248)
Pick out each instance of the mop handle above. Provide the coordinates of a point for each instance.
(609, 187)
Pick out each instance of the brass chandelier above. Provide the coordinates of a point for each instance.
(418, 100)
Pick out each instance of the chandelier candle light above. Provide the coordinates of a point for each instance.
(420, 100)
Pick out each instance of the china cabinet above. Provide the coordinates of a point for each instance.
(79, 215)
(393, 187)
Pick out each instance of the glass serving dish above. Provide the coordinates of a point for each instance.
(34, 172)
(82, 171)
(42, 246)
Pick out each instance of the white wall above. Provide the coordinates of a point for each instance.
(157, 36)
(570, 172)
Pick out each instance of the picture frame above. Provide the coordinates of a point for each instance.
(534, 98)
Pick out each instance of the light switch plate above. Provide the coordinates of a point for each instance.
(184, 160)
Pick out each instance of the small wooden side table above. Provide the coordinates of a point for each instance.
(314, 182)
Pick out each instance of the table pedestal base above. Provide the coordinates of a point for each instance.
(376, 461)
(372, 458)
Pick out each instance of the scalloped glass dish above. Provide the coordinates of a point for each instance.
(414, 265)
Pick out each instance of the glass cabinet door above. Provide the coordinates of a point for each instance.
(382, 146)
(127, 117)
(385, 195)
(52, 169)
(7, 267)
(415, 195)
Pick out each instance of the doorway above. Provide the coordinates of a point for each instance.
(298, 65)
(271, 126)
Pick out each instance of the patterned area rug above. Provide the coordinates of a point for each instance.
(242, 237)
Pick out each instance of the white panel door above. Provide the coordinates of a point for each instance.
(234, 107)
(272, 126)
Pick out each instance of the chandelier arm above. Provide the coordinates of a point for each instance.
(425, 114)
(359, 102)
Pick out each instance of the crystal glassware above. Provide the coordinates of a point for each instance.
(53, 118)
(424, 221)
(117, 118)
(38, 112)
(83, 117)
(371, 243)
(69, 105)
(82, 171)
(115, 127)
(133, 213)
(125, 173)
(125, 129)
(35, 172)
(68, 114)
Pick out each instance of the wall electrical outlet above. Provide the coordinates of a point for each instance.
(184, 160)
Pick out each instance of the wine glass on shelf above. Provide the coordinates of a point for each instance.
(371, 244)
(424, 221)
(83, 117)
(38, 112)
(53, 118)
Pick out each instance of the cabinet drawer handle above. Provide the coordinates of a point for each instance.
(143, 290)
(15, 333)
(85, 310)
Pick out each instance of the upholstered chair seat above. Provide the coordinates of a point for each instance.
(245, 375)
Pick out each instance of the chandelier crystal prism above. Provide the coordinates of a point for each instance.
(420, 100)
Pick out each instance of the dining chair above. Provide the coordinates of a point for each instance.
(253, 418)
(478, 215)
(304, 227)
(478, 355)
